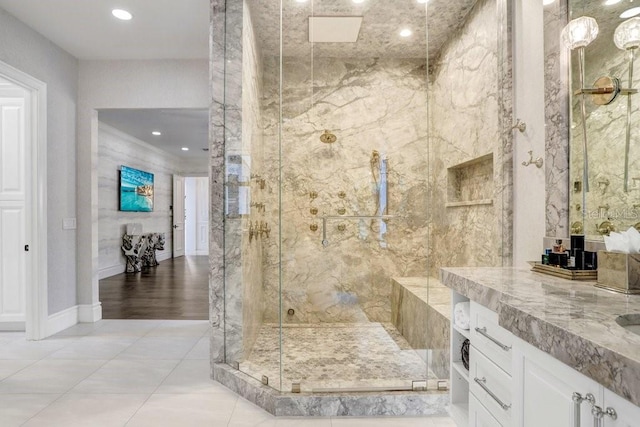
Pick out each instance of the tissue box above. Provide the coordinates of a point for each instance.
(619, 272)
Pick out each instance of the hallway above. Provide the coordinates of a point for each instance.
(177, 289)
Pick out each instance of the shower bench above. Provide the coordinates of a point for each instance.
(421, 312)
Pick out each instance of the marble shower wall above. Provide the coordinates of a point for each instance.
(369, 104)
(243, 252)
(466, 146)
(556, 121)
(114, 150)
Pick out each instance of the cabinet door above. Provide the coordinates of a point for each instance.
(628, 414)
(479, 416)
(548, 388)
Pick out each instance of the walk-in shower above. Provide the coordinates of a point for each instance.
(379, 159)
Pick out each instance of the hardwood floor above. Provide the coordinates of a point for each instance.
(176, 289)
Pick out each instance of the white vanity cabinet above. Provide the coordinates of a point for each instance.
(512, 383)
(546, 390)
(551, 394)
(627, 414)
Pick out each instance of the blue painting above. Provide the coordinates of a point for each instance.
(136, 190)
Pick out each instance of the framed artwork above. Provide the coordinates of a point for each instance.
(136, 190)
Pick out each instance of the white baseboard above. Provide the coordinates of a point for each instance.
(61, 320)
(111, 271)
(12, 326)
(163, 256)
(88, 313)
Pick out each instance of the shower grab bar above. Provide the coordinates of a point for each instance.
(325, 242)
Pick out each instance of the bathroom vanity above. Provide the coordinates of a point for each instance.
(544, 351)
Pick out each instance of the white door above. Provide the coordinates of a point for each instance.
(14, 188)
(202, 216)
(178, 216)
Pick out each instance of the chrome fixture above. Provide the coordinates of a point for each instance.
(482, 382)
(483, 332)
(520, 125)
(538, 162)
(627, 38)
(577, 402)
(578, 34)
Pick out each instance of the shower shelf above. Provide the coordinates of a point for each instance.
(470, 183)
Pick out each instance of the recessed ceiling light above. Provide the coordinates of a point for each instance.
(301, 1)
(185, 148)
(156, 133)
(630, 12)
(422, 1)
(610, 2)
(358, 1)
(548, 2)
(122, 14)
(405, 33)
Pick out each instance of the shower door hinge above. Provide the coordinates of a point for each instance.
(420, 385)
(295, 388)
(265, 380)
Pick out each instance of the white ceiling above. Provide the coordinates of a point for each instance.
(160, 29)
(179, 127)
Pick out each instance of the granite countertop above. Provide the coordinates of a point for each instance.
(572, 321)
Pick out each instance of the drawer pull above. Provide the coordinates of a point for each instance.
(483, 332)
(482, 383)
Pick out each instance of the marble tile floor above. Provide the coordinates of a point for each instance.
(134, 373)
(335, 356)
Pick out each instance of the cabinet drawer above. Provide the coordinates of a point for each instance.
(479, 416)
(490, 338)
(490, 385)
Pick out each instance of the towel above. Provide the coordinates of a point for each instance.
(461, 315)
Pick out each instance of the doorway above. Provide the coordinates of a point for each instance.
(23, 274)
(196, 228)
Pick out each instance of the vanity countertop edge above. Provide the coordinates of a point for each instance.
(570, 320)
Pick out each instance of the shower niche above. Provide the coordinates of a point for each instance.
(471, 183)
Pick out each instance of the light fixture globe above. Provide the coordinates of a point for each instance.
(580, 32)
(627, 35)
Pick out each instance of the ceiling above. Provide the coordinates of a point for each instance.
(379, 35)
(179, 127)
(160, 29)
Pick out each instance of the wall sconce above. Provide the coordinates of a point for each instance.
(578, 34)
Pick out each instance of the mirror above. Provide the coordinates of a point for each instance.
(609, 199)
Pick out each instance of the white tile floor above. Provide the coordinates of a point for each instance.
(134, 373)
